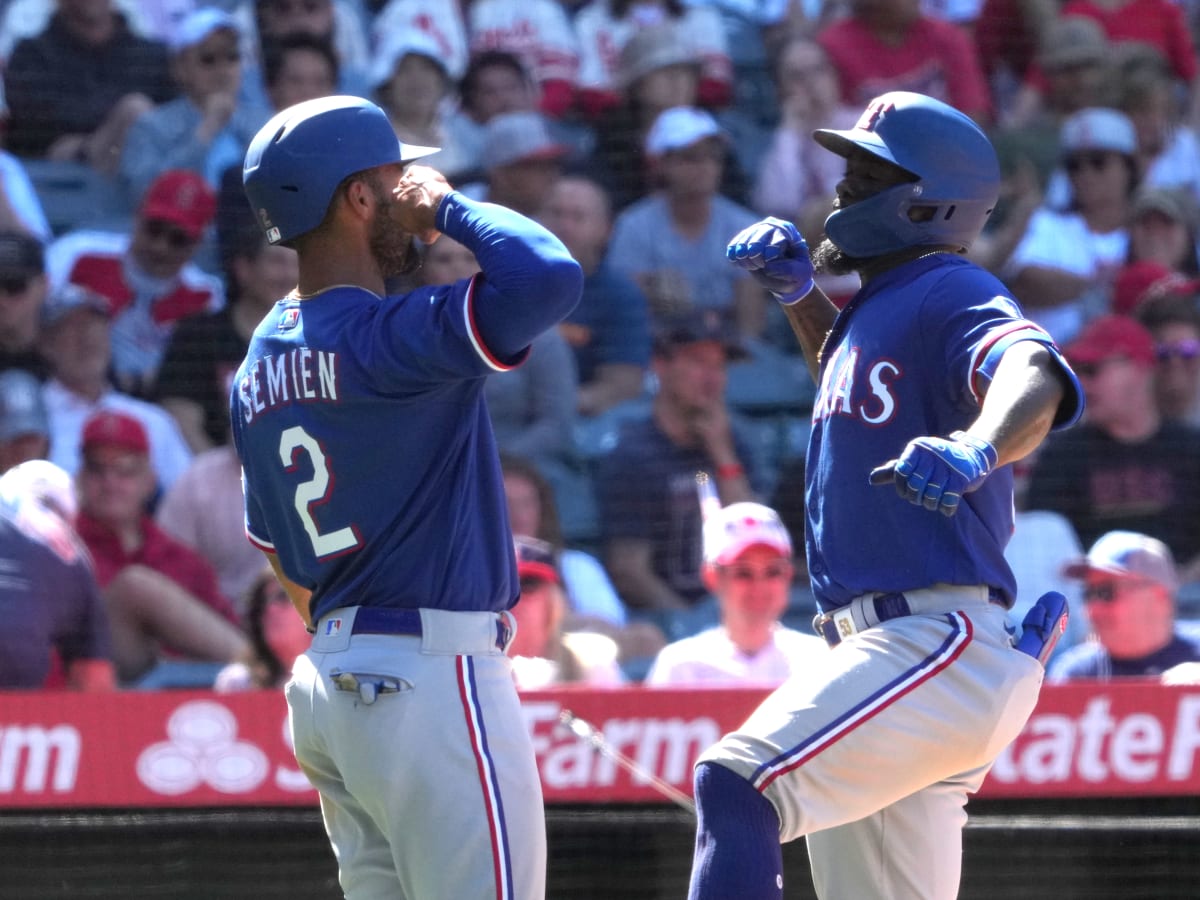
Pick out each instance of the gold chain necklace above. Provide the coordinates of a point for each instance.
(299, 296)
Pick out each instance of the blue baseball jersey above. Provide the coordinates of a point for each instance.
(912, 354)
(368, 459)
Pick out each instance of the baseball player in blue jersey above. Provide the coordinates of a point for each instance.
(930, 382)
(373, 484)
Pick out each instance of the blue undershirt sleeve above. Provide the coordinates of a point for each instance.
(529, 281)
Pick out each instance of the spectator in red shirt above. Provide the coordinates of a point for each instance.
(161, 595)
(888, 45)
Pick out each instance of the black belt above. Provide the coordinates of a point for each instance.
(388, 620)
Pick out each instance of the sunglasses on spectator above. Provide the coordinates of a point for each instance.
(211, 59)
(158, 230)
(294, 6)
(768, 573)
(1096, 160)
(1105, 592)
(14, 284)
(1185, 349)
(1108, 591)
(1089, 369)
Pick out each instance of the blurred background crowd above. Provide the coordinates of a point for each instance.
(644, 133)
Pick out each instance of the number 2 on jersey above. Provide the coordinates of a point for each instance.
(313, 492)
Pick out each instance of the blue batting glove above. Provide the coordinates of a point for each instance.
(935, 472)
(777, 258)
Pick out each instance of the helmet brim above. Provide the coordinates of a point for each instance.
(844, 143)
(412, 152)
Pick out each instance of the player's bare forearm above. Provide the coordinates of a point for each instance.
(299, 596)
(1021, 401)
(811, 320)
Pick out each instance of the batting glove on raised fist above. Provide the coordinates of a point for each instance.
(776, 256)
(935, 472)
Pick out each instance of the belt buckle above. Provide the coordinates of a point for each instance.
(506, 630)
(836, 626)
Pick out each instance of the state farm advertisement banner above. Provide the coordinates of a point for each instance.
(201, 749)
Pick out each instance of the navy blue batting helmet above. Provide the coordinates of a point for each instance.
(952, 161)
(297, 160)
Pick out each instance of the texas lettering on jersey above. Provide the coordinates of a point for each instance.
(302, 375)
(855, 387)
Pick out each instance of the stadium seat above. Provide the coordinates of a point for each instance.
(577, 514)
(596, 435)
(74, 196)
(178, 674)
(769, 382)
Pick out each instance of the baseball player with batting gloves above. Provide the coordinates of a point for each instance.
(930, 382)
(373, 484)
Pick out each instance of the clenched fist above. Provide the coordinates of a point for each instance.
(418, 195)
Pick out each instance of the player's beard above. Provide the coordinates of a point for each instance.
(394, 249)
(829, 259)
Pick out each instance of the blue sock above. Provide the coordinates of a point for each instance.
(738, 856)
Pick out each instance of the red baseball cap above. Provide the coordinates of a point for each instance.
(535, 560)
(1145, 280)
(1110, 336)
(109, 428)
(182, 198)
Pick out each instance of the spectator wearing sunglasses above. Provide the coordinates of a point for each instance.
(1129, 595)
(1126, 466)
(204, 130)
(748, 567)
(1174, 323)
(1064, 265)
(148, 273)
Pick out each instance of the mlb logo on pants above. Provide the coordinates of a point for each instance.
(333, 626)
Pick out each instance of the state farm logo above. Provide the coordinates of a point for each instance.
(1100, 746)
(202, 749)
(652, 747)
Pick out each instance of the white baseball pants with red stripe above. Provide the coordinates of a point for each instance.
(430, 790)
(872, 750)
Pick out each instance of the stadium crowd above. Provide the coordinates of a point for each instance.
(644, 133)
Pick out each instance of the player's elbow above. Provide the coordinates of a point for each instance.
(563, 283)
